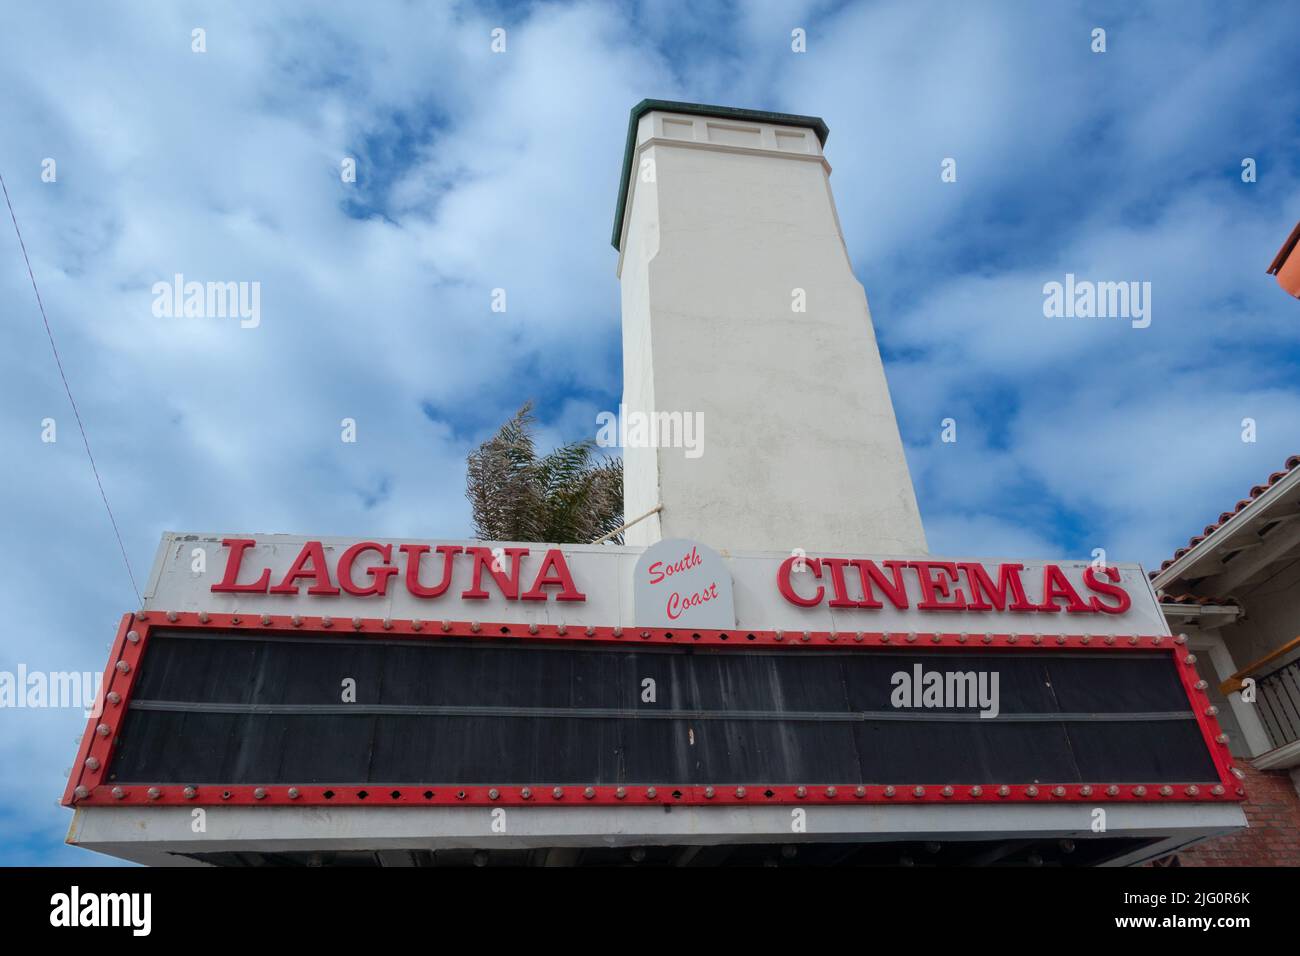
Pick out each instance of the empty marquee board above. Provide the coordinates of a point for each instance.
(213, 709)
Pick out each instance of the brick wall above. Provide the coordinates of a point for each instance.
(1273, 838)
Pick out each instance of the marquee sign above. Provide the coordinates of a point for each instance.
(319, 671)
(602, 585)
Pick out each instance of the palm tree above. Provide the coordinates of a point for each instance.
(571, 495)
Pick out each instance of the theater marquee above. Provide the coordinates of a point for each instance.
(276, 670)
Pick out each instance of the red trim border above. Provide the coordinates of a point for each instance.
(88, 785)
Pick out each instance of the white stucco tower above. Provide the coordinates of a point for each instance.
(740, 303)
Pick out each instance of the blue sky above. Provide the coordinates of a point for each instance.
(479, 170)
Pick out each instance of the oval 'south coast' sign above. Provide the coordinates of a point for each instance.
(681, 583)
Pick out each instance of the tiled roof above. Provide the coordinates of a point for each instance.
(1255, 492)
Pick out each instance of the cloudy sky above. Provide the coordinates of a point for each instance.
(478, 170)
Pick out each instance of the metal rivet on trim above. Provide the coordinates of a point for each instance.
(962, 638)
(1217, 790)
(830, 792)
(805, 637)
(532, 628)
(259, 793)
(266, 619)
(103, 730)
(1013, 638)
(561, 629)
(1201, 685)
(1112, 791)
(1192, 790)
(947, 791)
(1139, 791)
(526, 793)
(889, 791)
(133, 637)
(936, 638)
(296, 621)
(234, 619)
(1189, 659)
(445, 626)
(1031, 791)
(493, 793)
(118, 793)
(911, 637)
(294, 793)
(1133, 641)
(618, 632)
(1110, 639)
(92, 763)
(1004, 791)
(142, 615)
(708, 793)
(153, 793)
(81, 793)
(1058, 791)
(1086, 639)
(1180, 639)
(651, 792)
(589, 792)
(123, 667)
(356, 623)
(114, 697)
(591, 631)
(740, 793)
(977, 791)
(918, 791)
(557, 793)
(1166, 791)
(327, 621)
(857, 636)
(387, 624)
(1037, 638)
(417, 625)
(203, 617)
(621, 792)
(1222, 738)
(1085, 791)
(475, 626)
(987, 638)
(172, 616)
